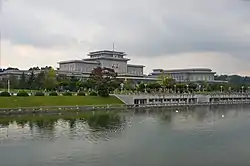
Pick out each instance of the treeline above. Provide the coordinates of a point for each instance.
(101, 80)
(234, 79)
(104, 81)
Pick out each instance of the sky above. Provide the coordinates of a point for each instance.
(168, 34)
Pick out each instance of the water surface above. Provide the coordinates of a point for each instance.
(201, 136)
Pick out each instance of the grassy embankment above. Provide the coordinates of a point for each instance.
(36, 101)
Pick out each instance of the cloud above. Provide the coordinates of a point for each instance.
(145, 29)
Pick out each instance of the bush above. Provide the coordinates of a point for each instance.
(103, 93)
(67, 94)
(81, 94)
(22, 94)
(53, 94)
(93, 94)
(39, 94)
(103, 90)
(5, 94)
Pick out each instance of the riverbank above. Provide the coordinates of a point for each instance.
(44, 101)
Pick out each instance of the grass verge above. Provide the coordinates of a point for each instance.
(36, 101)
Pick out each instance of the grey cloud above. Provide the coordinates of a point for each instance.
(23, 28)
(142, 27)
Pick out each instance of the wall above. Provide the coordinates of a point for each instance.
(119, 66)
(81, 67)
(201, 77)
(135, 70)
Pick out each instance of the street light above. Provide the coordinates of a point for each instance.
(221, 88)
(229, 89)
(199, 87)
(8, 84)
(187, 87)
(122, 85)
(145, 85)
(242, 89)
(175, 88)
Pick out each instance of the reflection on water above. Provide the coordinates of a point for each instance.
(200, 136)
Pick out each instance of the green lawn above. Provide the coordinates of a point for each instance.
(34, 101)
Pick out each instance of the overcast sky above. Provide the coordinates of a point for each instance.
(165, 34)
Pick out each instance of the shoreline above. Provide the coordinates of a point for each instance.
(59, 110)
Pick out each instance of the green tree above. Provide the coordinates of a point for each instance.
(14, 83)
(31, 81)
(22, 81)
(166, 81)
(39, 80)
(102, 80)
(50, 79)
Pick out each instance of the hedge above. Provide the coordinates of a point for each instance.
(67, 94)
(93, 94)
(81, 94)
(39, 94)
(5, 94)
(53, 94)
(22, 94)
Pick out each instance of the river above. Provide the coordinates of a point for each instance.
(200, 136)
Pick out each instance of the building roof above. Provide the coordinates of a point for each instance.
(184, 70)
(135, 65)
(79, 61)
(108, 58)
(107, 52)
(176, 71)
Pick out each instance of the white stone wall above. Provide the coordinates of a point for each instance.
(135, 70)
(85, 67)
(119, 66)
(80, 67)
(201, 77)
(180, 77)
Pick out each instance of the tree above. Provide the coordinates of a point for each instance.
(34, 68)
(50, 79)
(22, 81)
(102, 80)
(31, 81)
(39, 81)
(166, 81)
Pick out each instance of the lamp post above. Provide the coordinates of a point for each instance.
(221, 88)
(187, 87)
(174, 88)
(122, 85)
(145, 85)
(229, 89)
(8, 86)
(199, 87)
(242, 89)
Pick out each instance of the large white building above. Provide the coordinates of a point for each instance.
(109, 59)
(117, 60)
(186, 75)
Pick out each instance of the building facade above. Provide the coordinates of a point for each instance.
(186, 75)
(117, 60)
(108, 59)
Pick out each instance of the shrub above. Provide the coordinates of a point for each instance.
(53, 94)
(67, 94)
(22, 94)
(93, 93)
(103, 93)
(5, 94)
(81, 94)
(39, 94)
